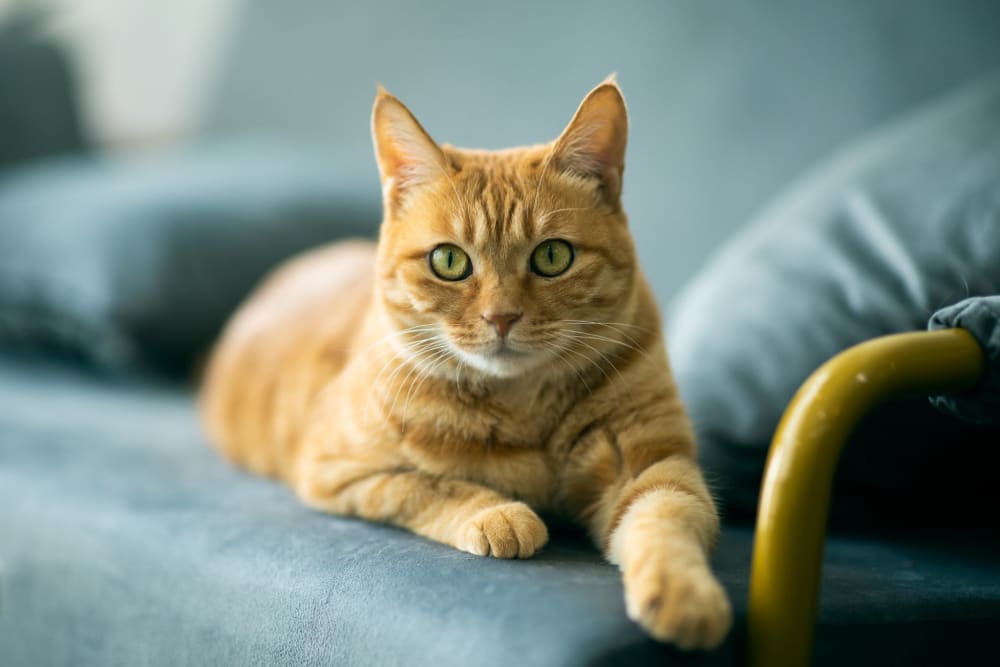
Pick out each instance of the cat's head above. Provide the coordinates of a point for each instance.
(507, 260)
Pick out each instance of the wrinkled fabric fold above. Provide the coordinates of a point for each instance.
(980, 316)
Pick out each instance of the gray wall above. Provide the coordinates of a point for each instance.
(729, 101)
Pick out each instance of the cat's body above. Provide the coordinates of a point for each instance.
(498, 353)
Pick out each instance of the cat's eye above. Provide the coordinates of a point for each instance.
(449, 262)
(551, 258)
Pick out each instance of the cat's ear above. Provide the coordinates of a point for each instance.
(593, 144)
(407, 156)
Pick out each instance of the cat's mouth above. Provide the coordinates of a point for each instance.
(501, 358)
(502, 349)
(498, 348)
(513, 359)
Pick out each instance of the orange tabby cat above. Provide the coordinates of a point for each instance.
(498, 353)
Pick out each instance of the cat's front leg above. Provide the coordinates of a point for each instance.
(462, 514)
(661, 542)
(655, 519)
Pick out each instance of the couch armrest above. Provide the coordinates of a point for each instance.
(795, 495)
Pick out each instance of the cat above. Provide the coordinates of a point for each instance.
(498, 353)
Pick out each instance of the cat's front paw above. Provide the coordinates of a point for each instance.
(511, 530)
(687, 607)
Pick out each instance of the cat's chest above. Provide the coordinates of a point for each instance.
(502, 445)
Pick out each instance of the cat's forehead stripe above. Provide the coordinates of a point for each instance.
(502, 204)
(497, 208)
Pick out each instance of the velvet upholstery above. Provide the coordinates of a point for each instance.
(39, 116)
(902, 222)
(125, 540)
(135, 263)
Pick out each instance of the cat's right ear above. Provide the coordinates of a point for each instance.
(407, 156)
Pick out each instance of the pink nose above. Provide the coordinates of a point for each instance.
(502, 322)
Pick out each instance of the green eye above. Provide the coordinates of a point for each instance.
(449, 262)
(551, 258)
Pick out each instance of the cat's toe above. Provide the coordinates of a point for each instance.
(686, 607)
(512, 530)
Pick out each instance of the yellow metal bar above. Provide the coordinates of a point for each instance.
(795, 495)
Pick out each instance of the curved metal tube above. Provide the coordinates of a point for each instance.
(795, 494)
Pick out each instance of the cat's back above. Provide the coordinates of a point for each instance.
(289, 339)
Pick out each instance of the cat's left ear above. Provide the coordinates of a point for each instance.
(593, 144)
(407, 156)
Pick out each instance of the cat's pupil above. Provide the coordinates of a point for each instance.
(451, 258)
(552, 257)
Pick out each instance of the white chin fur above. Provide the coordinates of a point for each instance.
(499, 366)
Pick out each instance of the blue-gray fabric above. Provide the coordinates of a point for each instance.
(138, 262)
(981, 317)
(125, 540)
(39, 116)
(901, 223)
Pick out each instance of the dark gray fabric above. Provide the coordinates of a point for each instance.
(137, 262)
(901, 223)
(981, 317)
(125, 540)
(728, 101)
(39, 116)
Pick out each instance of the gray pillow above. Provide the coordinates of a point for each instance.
(900, 224)
(137, 263)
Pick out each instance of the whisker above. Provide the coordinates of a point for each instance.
(442, 357)
(611, 324)
(595, 363)
(388, 336)
(614, 326)
(567, 348)
(603, 356)
(415, 348)
(415, 368)
(538, 186)
(557, 350)
(451, 182)
(390, 350)
(592, 336)
(394, 356)
(408, 347)
(548, 214)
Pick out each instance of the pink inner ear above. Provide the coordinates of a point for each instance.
(594, 142)
(407, 155)
(587, 150)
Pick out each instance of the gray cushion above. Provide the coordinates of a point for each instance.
(137, 262)
(128, 541)
(125, 540)
(39, 116)
(901, 223)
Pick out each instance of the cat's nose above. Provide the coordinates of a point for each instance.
(502, 322)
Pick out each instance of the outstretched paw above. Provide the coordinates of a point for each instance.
(511, 530)
(686, 606)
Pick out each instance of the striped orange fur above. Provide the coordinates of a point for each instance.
(460, 408)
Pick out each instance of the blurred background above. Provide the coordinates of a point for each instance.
(729, 102)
